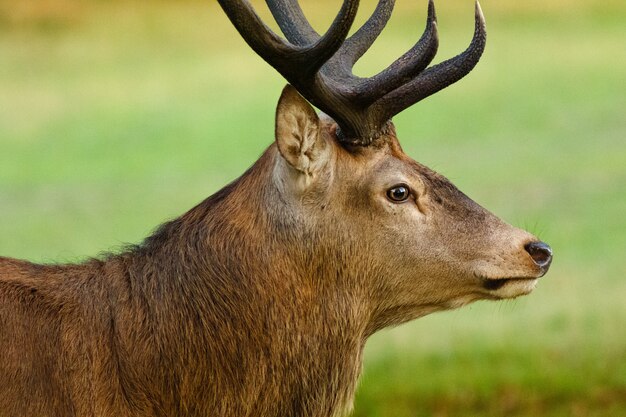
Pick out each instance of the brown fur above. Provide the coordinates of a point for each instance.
(258, 301)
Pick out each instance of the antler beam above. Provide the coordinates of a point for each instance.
(321, 67)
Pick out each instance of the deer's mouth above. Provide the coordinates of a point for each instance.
(494, 284)
(509, 287)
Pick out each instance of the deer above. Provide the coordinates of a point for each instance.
(259, 301)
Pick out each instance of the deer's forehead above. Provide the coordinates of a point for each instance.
(382, 162)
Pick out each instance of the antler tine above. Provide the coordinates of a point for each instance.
(336, 35)
(297, 29)
(291, 20)
(407, 66)
(260, 38)
(357, 44)
(295, 62)
(439, 76)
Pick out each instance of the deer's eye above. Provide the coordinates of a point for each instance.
(398, 193)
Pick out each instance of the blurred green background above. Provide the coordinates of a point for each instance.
(118, 115)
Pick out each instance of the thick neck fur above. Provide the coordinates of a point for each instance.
(256, 325)
(219, 313)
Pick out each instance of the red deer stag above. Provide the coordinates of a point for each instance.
(258, 301)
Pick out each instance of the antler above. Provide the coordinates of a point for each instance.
(321, 67)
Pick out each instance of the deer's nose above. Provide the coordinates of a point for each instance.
(541, 254)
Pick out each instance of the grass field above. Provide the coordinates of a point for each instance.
(115, 116)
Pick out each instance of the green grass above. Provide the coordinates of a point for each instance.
(117, 116)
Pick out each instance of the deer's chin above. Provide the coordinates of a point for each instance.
(501, 288)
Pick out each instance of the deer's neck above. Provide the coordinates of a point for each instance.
(243, 323)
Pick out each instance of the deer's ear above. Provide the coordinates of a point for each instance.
(298, 133)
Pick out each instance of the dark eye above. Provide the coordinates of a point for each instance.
(399, 193)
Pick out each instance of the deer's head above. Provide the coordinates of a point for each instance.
(421, 243)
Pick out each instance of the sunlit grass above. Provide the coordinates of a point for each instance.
(117, 116)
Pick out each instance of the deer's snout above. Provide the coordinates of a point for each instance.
(541, 254)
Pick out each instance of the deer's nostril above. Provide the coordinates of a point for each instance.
(540, 252)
